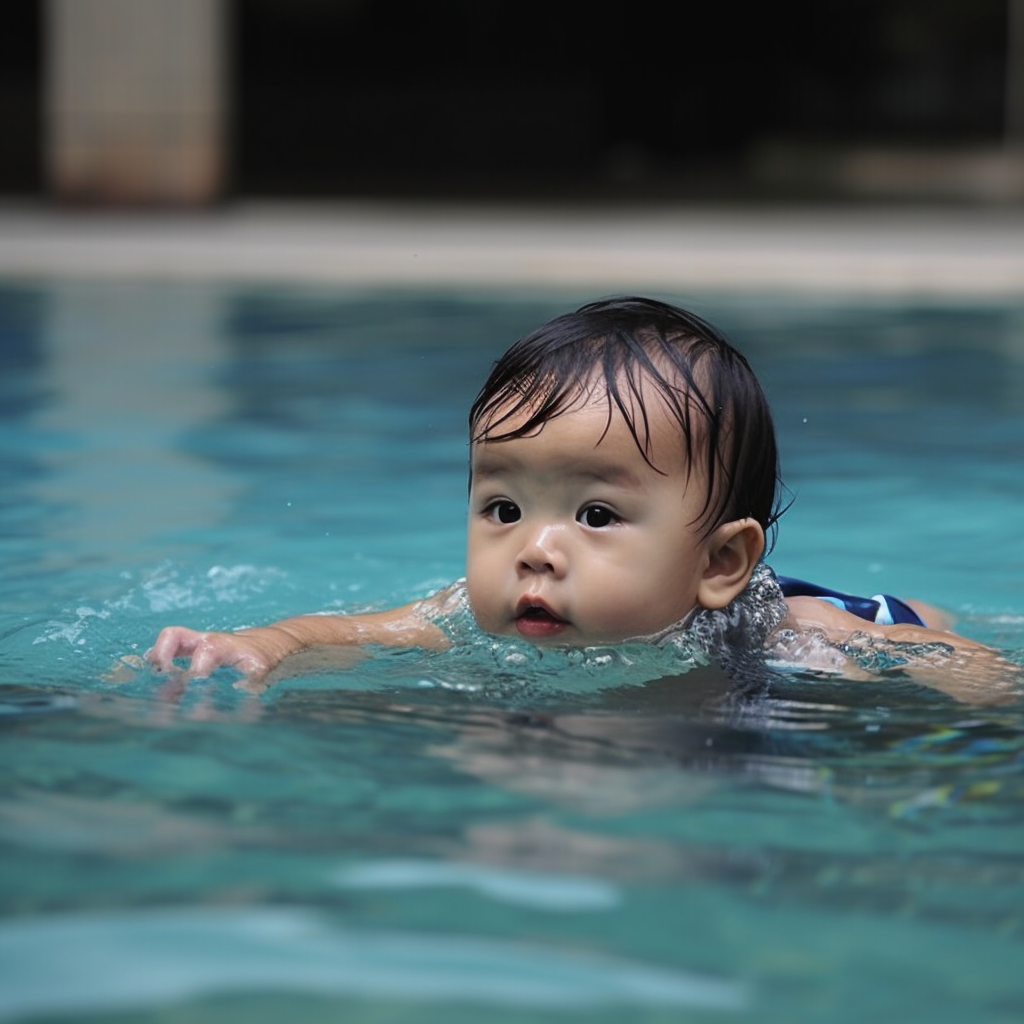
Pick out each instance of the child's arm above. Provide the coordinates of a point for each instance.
(259, 651)
(962, 668)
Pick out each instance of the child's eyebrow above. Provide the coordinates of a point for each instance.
(489, 464)
(606, 473)
(601, 471)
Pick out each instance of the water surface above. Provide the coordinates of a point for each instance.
(438, 838)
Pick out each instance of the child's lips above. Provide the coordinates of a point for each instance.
(534, 619)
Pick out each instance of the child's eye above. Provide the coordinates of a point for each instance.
(503, 511)
(597, 516)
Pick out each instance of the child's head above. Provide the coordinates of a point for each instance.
(624, 471)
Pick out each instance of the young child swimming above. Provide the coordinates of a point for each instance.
(624, 485)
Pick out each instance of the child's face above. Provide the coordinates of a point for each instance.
(575, 540)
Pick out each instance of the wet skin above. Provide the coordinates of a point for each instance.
(575, 539)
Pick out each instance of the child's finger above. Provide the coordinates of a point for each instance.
(173, 642)
(207, 657)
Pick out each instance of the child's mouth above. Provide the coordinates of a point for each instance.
(536, 621)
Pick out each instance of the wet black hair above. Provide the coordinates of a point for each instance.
(625, 344)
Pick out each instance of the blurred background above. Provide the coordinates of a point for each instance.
(194, 102)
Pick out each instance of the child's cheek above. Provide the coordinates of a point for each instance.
(481, 601)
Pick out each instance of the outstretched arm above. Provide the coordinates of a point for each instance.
(259, 651)
(964, 669)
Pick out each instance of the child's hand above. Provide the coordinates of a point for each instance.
(311, 643)
(249, 653)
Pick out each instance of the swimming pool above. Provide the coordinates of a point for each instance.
(434, 838)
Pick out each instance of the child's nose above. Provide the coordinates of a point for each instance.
(543, 551)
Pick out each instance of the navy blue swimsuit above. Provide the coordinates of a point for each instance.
(882, 608)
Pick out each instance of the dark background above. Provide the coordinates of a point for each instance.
(626, 98)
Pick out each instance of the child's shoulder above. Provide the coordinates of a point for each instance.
(822, 636)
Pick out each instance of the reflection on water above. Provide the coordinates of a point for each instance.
(428, 827)
(107, 380)
(642, 754)
(175, 955)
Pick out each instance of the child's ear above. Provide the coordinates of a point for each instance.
(733, 551)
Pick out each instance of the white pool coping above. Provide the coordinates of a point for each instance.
(958, 252)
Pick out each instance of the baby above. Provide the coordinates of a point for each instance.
(624, 482)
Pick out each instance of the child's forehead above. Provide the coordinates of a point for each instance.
(638, 407)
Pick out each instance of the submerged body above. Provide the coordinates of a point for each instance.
(624, 478)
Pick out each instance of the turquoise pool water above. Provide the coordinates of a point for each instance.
(491, 837)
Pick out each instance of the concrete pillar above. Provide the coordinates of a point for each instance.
(136, 101)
